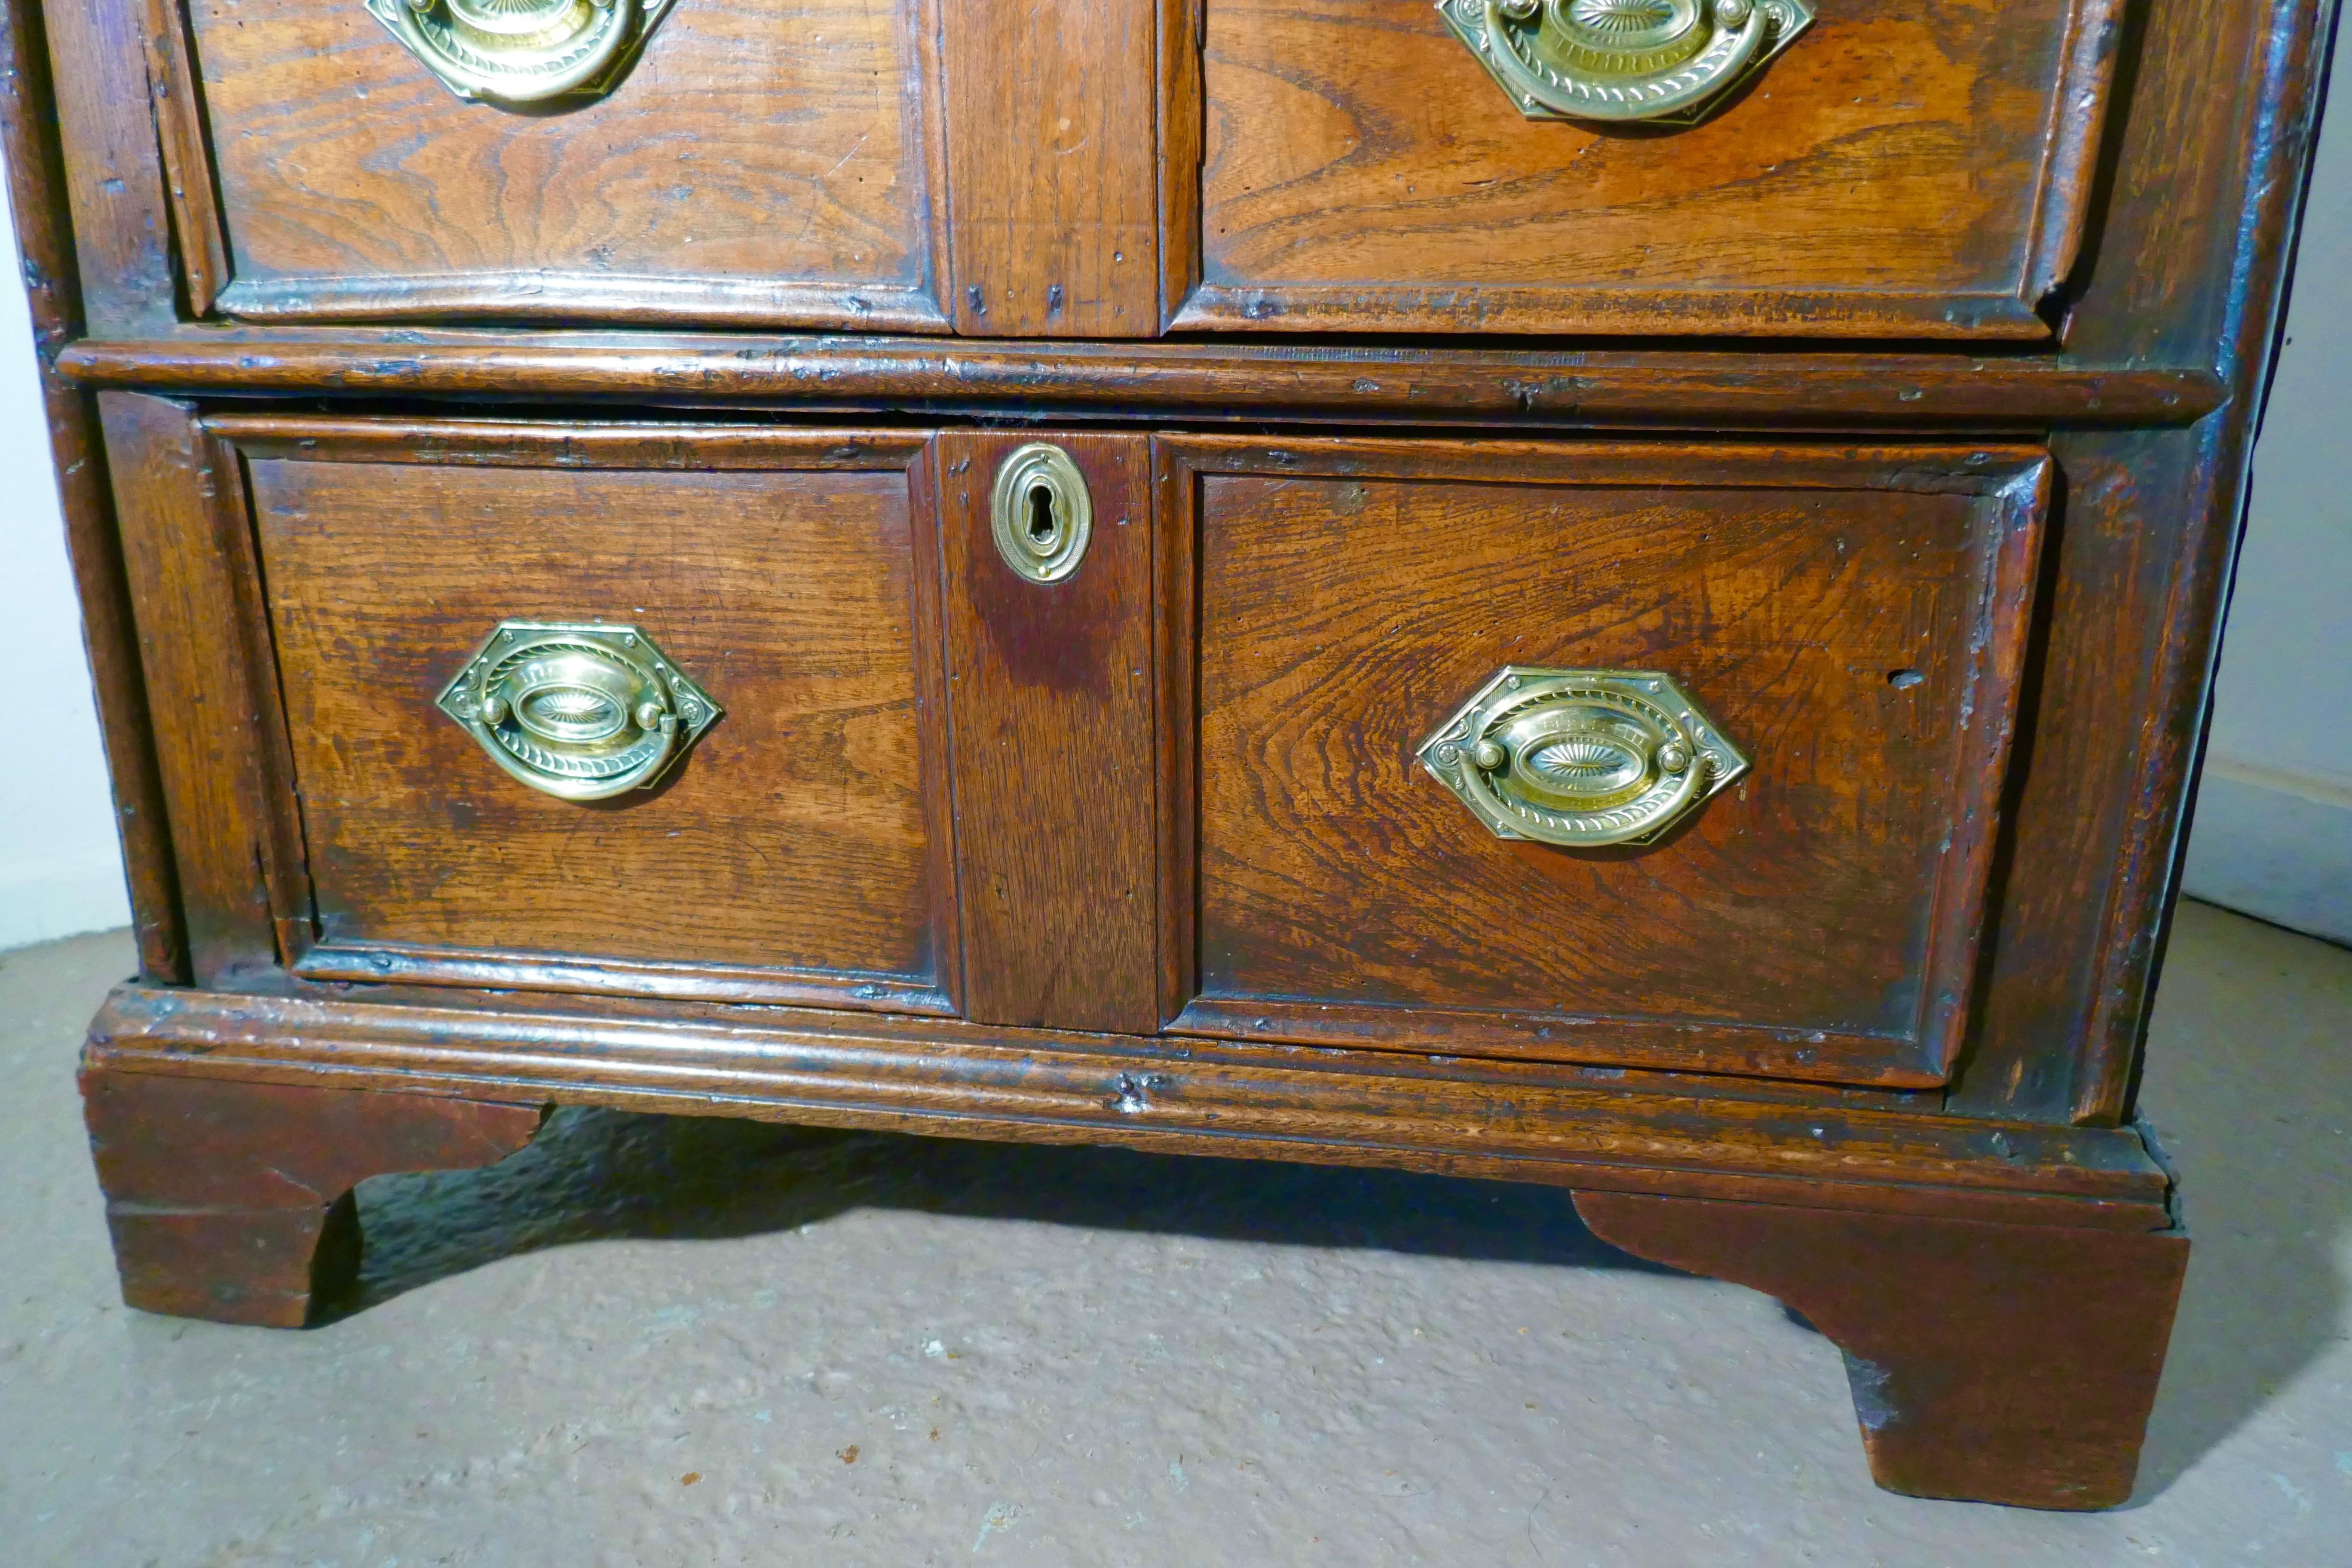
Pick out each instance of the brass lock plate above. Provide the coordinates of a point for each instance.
(1583, 758)
(1040, 512)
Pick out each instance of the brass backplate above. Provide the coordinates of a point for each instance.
(1583, 758)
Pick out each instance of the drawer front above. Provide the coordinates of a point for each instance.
(1850, 622)
(1899, 168)
(757, 162)
(792, 849)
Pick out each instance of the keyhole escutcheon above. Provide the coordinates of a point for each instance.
(1041, 512)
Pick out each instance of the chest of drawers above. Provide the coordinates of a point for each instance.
(1608, 593)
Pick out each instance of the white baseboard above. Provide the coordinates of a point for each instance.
(2274, 845)
(65, 895)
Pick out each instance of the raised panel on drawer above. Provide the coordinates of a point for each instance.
(1902, 168)
(799, 852)
(762, 161)
(1852, 618)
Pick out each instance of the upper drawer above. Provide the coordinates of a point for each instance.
(1897, 168)
(752, 161)
(1685, 757)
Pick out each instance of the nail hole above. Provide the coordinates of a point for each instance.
(1903, 680)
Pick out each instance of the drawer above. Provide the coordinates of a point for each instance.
(752, 161)
(1847, 624)
(1898, 168)
(792, 849)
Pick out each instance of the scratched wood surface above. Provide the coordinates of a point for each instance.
(1897, 171)
(1854, 631)
(1055, 761)
(1051, 175)
(764, 160)
(794, 834)
(233, 1201)
(2027, 1381)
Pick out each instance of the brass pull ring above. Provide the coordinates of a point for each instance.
(521, 51)
(1580, 757)
(580, 712)
(1619, 60)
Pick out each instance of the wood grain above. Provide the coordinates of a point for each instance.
(1993, 1362)
(1055, 755)
(2220, 125)
(1902, 170)
(764, 161)
(1594, 1131)
(232, 1201)
(204, 652)
(1584, 388)
(37, 196)
(1052, 166)
(794, 835)
(1853, 619)
(187, 145)
(118, 214)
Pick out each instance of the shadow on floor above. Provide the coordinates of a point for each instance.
(2251, 1101)
(599, 1174)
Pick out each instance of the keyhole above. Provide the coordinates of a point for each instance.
(1041, 527)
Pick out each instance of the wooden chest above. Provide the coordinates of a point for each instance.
(1608, 593)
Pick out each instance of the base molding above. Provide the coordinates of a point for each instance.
(1591, 1130)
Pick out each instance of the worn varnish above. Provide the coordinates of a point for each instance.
(1140, 858)
(1853, 620)
(793, 837)
(2028, 1382)
(220, 745)
(1709, 1137)
(1900, 170)
(1051, 167)
(1052, 691)
(233, 1201)
(764, 161)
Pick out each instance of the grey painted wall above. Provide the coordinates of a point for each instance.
(2273, 829)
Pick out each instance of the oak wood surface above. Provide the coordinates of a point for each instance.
(186, 148)
(2207, 195)
(212, 684)
(37, 198)
(1632, 1130)
(1903, 169)
(233, 1201)
(1577, 387)
(1992, 1363)
(794, 837)
(1054, 742)
(763, 160)
(1052, 166)
(1853, 619)
(116, 208)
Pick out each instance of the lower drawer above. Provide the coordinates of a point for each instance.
(1416, 662)
(1685, 757)
(781, 843)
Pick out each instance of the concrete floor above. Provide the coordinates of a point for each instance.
(654, 1342)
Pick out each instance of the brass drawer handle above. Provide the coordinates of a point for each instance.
(1657, 60)
(1580, 757)
(521, 51)
(581, 712)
